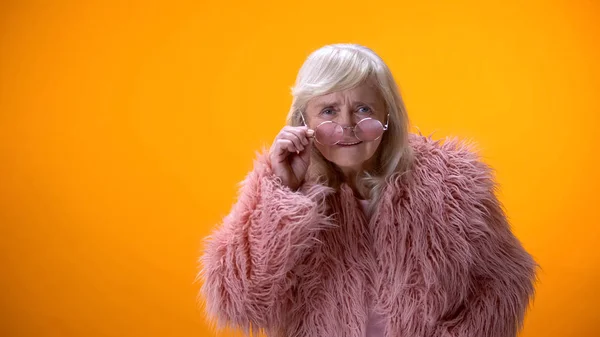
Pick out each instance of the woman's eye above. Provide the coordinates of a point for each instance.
(327, 112)
(364, 109)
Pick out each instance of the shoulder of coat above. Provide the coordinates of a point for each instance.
(443, 165)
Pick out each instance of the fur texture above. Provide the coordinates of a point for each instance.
(436, 259)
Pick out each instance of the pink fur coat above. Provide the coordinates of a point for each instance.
(436, 259)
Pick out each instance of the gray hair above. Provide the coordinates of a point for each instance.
(340, 67)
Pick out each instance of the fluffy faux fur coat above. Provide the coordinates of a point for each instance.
(436, 259)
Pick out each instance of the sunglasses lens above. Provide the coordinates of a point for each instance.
(329, 133)
(368, 129)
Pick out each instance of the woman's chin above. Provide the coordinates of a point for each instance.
(348, 163)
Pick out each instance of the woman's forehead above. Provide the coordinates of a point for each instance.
(363, 93)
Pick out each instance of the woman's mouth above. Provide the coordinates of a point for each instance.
(349, 143)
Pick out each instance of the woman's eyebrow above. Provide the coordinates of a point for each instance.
(324, 104)
(364, 103)
(327, 104)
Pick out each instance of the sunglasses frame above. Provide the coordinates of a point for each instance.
(383, 126)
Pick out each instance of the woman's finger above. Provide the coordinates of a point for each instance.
(283, 147)
(305, 155)
(300, 132)
(294, 138)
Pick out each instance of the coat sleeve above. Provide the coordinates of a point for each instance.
(246, 264)
(502, 273)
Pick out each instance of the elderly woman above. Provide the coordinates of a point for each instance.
(351, 226)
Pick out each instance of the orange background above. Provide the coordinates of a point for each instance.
(125, 128)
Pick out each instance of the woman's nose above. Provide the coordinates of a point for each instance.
(346, 119)
(347, 123)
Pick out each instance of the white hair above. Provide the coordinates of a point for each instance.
(340, 67)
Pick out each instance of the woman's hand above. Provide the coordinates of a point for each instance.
(290, 155)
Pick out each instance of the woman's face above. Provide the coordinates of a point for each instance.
(347, 108)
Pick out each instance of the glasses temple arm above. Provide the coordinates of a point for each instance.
(302, 117)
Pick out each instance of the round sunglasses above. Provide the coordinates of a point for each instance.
(331, 133)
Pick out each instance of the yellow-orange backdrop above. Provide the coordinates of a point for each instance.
(125, 127)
